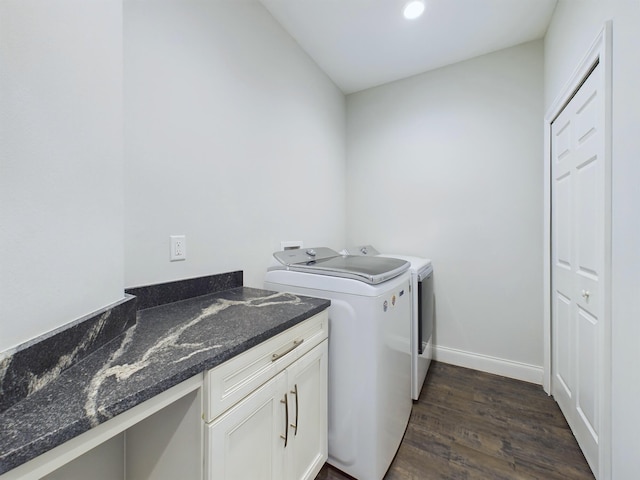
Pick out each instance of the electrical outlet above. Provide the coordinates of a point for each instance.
(178, 248)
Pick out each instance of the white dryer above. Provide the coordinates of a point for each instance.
(369, 354)
(421, 315)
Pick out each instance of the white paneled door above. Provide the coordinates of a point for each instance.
(577, 261)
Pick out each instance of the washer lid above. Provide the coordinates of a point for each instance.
(422, 266)
(418, 264)
(324, 261)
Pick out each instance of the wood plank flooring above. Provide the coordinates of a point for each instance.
(474, 425)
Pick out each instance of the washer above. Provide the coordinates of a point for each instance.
(421, 315)
(369, 354)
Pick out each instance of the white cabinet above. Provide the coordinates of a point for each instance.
(308, 387)
(245, 442)
(278, 429)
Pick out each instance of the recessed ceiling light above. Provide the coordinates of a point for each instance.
(413, 9)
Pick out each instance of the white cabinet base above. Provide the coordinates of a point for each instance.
(278, 430)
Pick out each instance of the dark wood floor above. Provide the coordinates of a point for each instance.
(474, 425)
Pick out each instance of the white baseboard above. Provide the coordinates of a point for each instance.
(485, 363)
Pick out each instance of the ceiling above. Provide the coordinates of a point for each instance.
(364, 43)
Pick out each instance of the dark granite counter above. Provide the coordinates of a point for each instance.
(167, 344)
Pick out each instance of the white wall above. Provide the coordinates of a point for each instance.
(233, 137)
(61, 163)
(573, 28)
(447, 165)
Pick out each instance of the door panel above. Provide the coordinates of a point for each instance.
(308, 414)
(563, 334)
(587, 401)
(586, 119)
(563, 221)
(254, 425)
(588, 253)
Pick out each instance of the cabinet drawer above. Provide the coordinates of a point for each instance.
(228, 383)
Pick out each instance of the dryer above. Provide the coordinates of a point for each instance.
(421, 316)
(369, 350)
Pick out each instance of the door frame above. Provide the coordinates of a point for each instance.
(599, 52)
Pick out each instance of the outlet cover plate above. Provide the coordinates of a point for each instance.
(178, 248)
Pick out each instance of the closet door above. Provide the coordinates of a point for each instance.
(577, 261)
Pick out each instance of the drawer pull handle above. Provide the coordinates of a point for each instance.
(285, 437)
(296, 344)
(295, 425)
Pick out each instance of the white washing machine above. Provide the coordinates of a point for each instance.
(422, 312)
(369, 359)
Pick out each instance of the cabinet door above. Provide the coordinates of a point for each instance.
(245, 443)
(307, 450)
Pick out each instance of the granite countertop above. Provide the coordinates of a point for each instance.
(167, 344)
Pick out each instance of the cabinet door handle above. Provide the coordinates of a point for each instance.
(295, 425)
(285, 437)
(296, 344)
